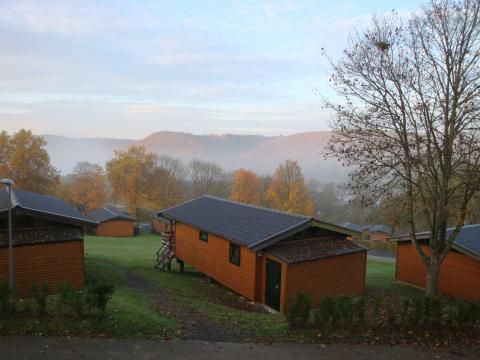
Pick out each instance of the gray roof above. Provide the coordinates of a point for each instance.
(108, 213)
(467, 240)
(253, 226)
(38, 204)
(378, 228)
(368, 227)
(353, 227)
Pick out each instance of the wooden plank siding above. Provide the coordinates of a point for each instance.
(459, 274)
(116, 228)
(212, 259)
(338, 275)
(50, 263)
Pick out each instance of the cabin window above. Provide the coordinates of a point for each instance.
(203, 236)
(235, 254)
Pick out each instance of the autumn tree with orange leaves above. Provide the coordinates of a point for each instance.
(245, 187)
(87, 189)
(288, 191)
(24, 159)
(130, 176)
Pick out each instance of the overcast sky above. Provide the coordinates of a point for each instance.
(126, 69)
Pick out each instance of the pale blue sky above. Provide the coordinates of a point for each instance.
(126, 69)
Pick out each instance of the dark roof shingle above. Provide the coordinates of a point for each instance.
(246, 224)
(48, 205)
(313, 249)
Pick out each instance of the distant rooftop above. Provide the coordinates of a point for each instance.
(352, 226)
(368, 227)
(109, 213)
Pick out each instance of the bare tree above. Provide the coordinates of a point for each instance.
(205, 176)
(168, 175)
(410, 117)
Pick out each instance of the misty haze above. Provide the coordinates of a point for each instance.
(261, 154)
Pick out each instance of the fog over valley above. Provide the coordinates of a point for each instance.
(261, 154)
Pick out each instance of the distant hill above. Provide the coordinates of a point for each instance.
(261, 154)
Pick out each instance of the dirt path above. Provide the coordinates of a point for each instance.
(195, 325)
(31, 347)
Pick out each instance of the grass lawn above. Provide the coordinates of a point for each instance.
(138, 254)
(131, 314)
(381, 276)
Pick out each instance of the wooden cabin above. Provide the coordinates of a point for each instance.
(265, 255)
(47, 242)
(113, 221)
(460, 271)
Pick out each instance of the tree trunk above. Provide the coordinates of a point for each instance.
(433, 268)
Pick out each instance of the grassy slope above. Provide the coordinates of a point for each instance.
(138, 254)
(129, 312)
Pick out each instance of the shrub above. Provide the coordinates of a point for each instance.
(418, 311)
(6, 304)
(40, 295)
(98, 296)
(298, 310)
(326, 314)
(70, 299)
(360, 309)
(377, 306)
(345, 311)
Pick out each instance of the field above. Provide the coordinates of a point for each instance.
(151, 303)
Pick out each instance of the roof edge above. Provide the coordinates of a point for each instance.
(262, 244)
(466, 251)
(336, 228)
(75, 219)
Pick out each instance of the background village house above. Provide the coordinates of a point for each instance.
(113, 221)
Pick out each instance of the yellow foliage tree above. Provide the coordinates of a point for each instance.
(245, 187)
(87, 188)
(130, 174)
(23, 158)
(288, 191)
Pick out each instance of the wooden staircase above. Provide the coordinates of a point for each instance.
(166, 253)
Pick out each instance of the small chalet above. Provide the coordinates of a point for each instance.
(460, 271)
(378, 232)
(47, 241)
(266, 255)
(113, 221)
